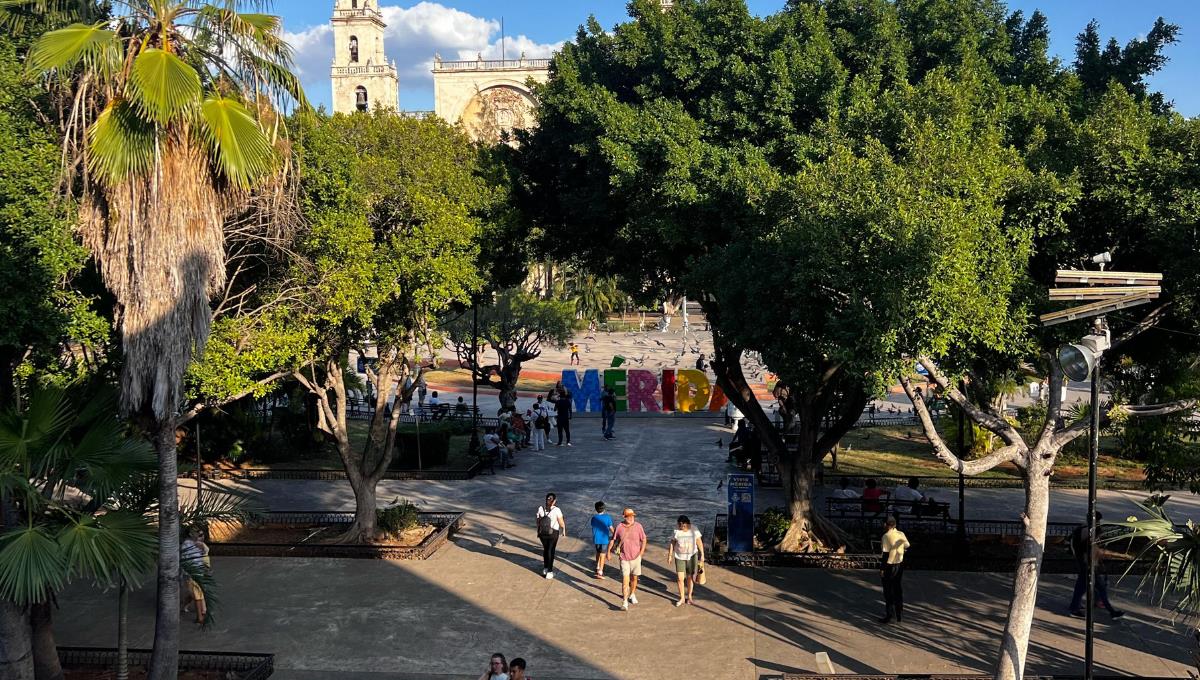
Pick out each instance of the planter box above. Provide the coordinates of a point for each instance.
(81, 661)
(445, 523)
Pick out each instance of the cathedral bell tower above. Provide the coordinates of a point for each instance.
(362, 76)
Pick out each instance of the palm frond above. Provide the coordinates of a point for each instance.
(110, 547)
(93, 46)
(242, 152)
(1173, 552)
(219, 504)
(17, 15)
(31, 565)
(120, 143)
(161, 85)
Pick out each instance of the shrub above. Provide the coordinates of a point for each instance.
(771, 526)
(396, 518)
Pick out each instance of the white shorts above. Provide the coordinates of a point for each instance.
(631, 567)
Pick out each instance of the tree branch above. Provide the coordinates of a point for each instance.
(1011, 453)
(1149, 321)
(201, 407)
(992, 422)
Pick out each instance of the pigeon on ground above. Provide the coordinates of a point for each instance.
(720, 484)
(659, 343)
(720, 443)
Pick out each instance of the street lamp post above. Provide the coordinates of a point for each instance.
(1093, 456)
(1103, 292)
(1082, 362)
(961, 537)
(474, 445)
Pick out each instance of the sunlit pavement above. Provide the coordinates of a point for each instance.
(484, 593)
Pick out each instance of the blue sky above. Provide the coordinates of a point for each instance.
(462, 28)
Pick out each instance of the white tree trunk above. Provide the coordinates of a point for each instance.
(1015, 643)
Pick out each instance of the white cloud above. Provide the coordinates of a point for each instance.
(413, 35)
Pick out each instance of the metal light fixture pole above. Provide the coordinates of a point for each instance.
(1104, 292)
(962, 486)
(1093, 456)
(474, 445)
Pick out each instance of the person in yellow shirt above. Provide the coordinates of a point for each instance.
(894, 543)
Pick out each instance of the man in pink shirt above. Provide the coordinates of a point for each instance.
(632, 538)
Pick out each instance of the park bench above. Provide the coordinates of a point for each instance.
(862, 509)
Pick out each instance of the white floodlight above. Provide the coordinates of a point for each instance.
(1077, 361)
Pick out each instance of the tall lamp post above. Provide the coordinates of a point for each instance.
(474, 445)
(1081, 362)
(1105, 291)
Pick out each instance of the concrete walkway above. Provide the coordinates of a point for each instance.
(441, 618)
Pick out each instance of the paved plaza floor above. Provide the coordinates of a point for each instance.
(441, 618)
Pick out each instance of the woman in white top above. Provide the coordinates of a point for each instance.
(550, 525)
(686, 549)
(497, 668)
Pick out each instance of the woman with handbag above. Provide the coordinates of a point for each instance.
(686, 549)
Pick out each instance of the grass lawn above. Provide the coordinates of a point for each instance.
(904, 451)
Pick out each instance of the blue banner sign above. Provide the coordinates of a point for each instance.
(741, 512)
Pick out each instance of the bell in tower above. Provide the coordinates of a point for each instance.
(362, 77)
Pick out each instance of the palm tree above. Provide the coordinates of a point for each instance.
(171, 126)
(63, 457)
(1173, 552)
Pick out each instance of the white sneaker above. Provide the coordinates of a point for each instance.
(633, 599)
(570, 444)
(549, 574)
(625, 605)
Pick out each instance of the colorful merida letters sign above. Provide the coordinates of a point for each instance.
(641, 391)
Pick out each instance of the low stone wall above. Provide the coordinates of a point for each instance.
(231, 665)
(446, 522)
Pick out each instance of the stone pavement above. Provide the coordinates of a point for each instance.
(441, 618)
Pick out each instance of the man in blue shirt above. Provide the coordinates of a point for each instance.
(602, 533)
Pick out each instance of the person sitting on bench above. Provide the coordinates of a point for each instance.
(908, 497)
(871, 496)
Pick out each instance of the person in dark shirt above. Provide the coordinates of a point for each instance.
(562, 415)
(608, 412)
(701, 364)
(1082, 548)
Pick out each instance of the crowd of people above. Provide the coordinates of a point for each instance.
(531, 429)
(628, 540)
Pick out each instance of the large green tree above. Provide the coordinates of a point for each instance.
(44, 320)
(168, 126)
(694, 151)
(514, 328)
(394, 208)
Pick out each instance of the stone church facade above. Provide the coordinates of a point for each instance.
(362, 76)
(490, 98)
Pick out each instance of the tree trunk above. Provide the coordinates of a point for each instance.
(1015, 643)
(798, 478)
(123, 631)
(164, 662)
(509, 375)
(16, 643)
(365, 504)
(45, 652)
